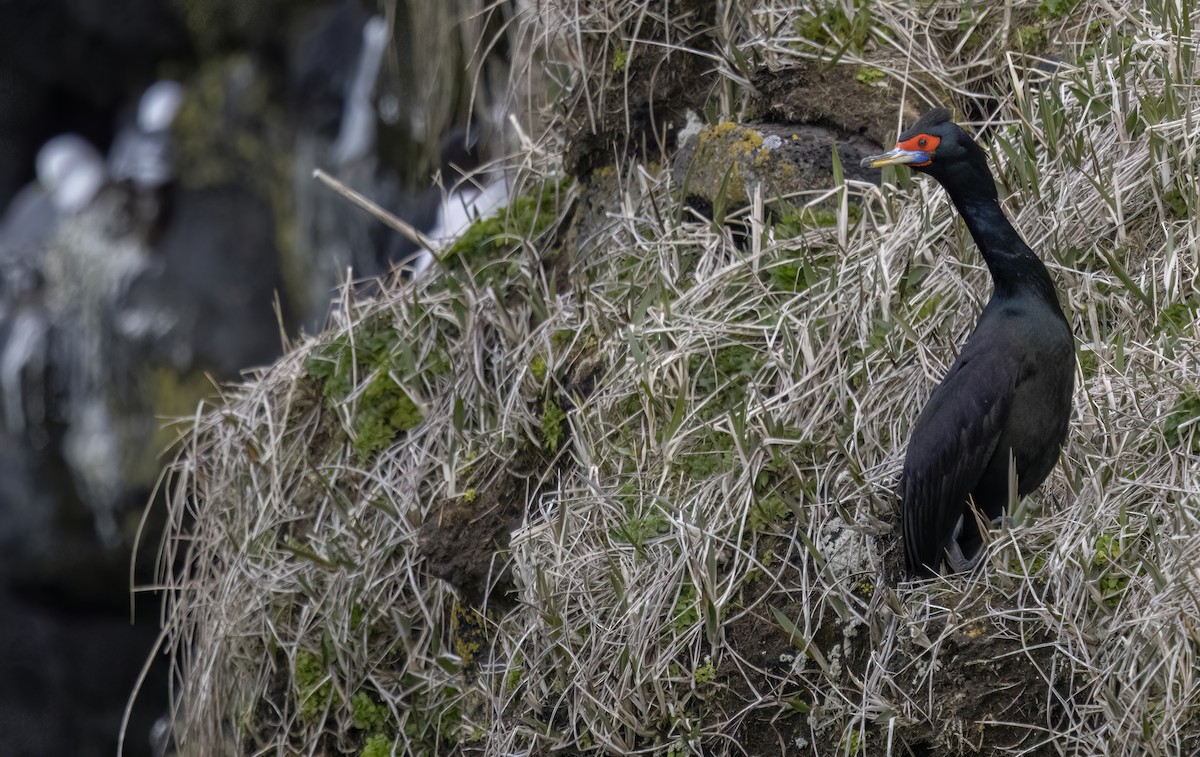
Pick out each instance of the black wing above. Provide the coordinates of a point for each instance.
(952, 442)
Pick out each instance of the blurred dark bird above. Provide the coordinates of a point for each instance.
(1005, 403)
(142, 159)
(70, 174)
(141, 151)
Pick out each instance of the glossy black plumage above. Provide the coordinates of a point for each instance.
(1010, 388)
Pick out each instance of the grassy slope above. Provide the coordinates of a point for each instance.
(702, 552)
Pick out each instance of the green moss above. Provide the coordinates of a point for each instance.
(852, 743)
(865, 587)
(562, 339)
(706, 673)
(384, 411)
(537, 367)
(552, 424)
(488, 240)
(869, 75)
(469, 628)
(378, 746)
(174, 395)
(512, 679)
(376, 355)
(620, 59)
(314, 689)
(368, 714)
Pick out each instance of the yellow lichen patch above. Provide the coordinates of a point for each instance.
(469, 628)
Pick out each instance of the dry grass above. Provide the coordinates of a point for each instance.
(704, 562)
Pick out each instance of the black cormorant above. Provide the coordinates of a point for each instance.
(1008, 395)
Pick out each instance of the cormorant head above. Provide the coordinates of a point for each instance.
(939, 147)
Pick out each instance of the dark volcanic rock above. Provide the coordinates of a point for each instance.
(65, 680)
(727, 162)
(828, 96)
(206, 303)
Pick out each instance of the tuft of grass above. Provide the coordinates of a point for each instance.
(553, 418)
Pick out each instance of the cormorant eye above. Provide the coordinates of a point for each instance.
(922, 142)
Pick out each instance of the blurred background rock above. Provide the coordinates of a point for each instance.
(161, 232)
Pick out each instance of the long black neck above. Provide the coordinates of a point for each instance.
(1016, 270)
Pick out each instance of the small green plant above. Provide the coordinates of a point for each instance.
(314, 688)
(1050, 10)
(378, 746)
(767, 511)
(1113, 581)
(537, 367)
(1176, 317)
(384, 411)
(1183, 423)
(512, 679)
(828, 25)
(1030, 37)
(641, 526)
(552, 424)
(686, 613)
(368, 714)
(864, 586)
(706, 673)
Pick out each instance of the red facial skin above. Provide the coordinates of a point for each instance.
(921, 143)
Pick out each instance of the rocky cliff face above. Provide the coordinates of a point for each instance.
(156, 241)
